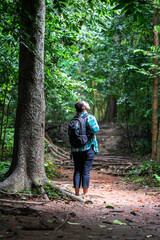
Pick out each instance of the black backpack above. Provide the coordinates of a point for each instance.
(77, 131)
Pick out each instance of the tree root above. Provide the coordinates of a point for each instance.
(17, 181)
(23, 211)
(41, 185)
(44, 193)
(66, 219)
(22, 201)
(7, 193)
(54, 146)
(56, 151)
(66, 193)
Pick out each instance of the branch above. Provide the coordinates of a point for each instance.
(56, 151)
(57, 228)
(68, 194)
(24, 202)
(54, 146)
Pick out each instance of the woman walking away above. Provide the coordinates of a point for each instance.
(84, 145)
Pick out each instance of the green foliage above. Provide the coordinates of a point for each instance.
(62, 59)
(8, 144)
(51, 169)
(146, 174)
(36, 192)
(4, 167)
(157, 177)
(149, 168)
(52, 193)
(93, 50)
(8, 75)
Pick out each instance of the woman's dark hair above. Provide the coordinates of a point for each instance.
(78, 106)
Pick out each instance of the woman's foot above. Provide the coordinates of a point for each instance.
(77, 191)
(85, 191)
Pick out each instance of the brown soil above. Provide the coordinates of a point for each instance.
(117, 211)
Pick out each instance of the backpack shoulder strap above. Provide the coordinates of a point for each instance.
(85, 115)
(83, 124)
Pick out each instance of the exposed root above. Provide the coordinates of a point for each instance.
(7, 193)
(68, 194)
(66, 219)
(56, 151)
(44, 193)
(5, 201)
(16, 182)
(23, 211)
(15, 186)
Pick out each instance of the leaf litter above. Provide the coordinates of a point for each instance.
(122, 210)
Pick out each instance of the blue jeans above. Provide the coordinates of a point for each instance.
(82, 166)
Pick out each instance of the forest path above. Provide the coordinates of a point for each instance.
(116, 209)
(113, 147)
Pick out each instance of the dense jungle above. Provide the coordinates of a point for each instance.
(53, 54)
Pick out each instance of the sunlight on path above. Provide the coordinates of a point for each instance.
(114, 203)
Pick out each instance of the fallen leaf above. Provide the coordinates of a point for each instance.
(102, 226)
(137, 210)
(73, 223)
(49, 221)
(88, 202)
(119, 222)
(109, 207)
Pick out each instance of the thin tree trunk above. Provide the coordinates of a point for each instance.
(158, 144)
(5, 130)
(111, 110)
(3, 113)
(155, 89)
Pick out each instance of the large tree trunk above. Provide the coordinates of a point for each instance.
(155, 89)
(27, 166)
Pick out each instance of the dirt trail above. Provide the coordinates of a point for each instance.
(113, 148)
(117, 210)
(138, 210)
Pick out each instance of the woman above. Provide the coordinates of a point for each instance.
(83, 157)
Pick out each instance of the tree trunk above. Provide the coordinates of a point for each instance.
(27, 166)
(155, 89)
(158, 144)
(111, 111)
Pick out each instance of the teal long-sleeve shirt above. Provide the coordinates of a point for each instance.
(92, 128)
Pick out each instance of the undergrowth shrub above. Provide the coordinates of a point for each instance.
(148, 173)
(51, 169)
(4, 167)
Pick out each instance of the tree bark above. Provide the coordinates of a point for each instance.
(111, 111)
(155, 88)
(27, 166)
